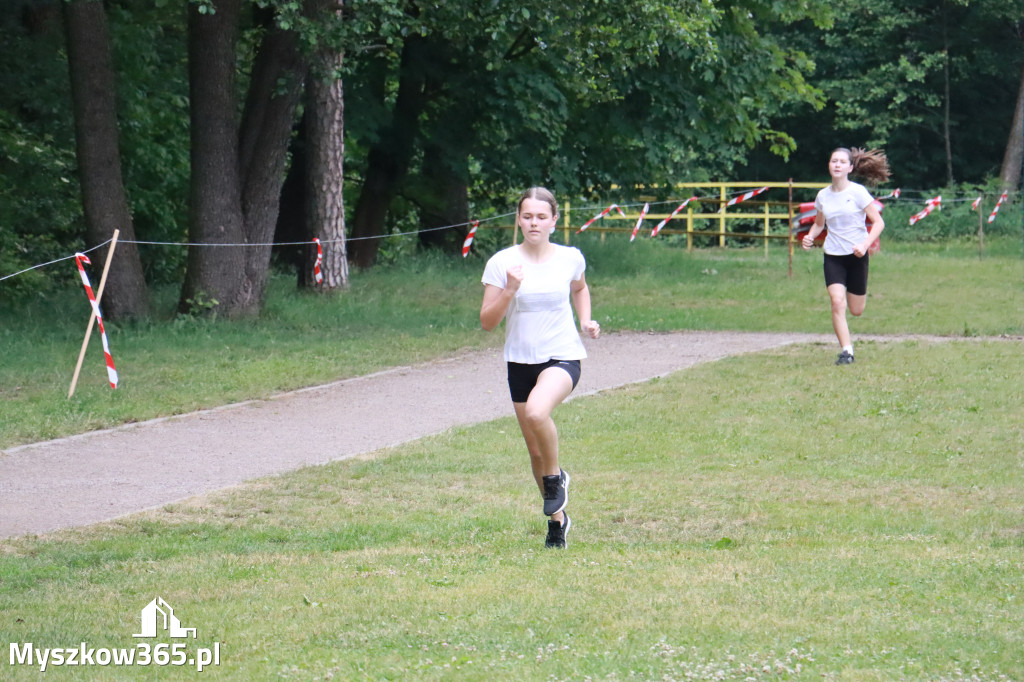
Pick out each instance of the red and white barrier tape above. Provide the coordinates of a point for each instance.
(600, 215)
(974, 204)
(895, 194)
(929, 206)
(995, 210)
(317, 275)
(111, 371)
(657, 228)
(469, 238)
(638, 221)
(744, 197)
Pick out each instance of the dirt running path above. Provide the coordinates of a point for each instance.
(105, 474)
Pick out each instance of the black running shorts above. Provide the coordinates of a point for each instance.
(522, 378)
(850, 271)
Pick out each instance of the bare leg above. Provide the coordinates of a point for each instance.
(553, 386)
(856, 303)
(837, 294)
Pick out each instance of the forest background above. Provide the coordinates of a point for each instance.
(277, 121)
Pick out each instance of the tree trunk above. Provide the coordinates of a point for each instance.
(104, 200)
(267, 123)
(215, 194)
(237, 170)
(325, 158)
(388, 160)
(1010, 175)
(946, 132)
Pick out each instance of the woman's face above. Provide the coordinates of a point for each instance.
(536, 220)
(839, 165)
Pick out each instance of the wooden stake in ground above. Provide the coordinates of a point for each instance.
(981, 233)
(92, 313)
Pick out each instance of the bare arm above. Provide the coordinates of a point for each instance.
(877, 225)
(581, 302)
(497, 300)
(817, 228)
(495, 305)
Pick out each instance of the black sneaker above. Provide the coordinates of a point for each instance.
(845, 358)
(556, 492)
(557, 532)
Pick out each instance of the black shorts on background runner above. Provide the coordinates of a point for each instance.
(850, 271)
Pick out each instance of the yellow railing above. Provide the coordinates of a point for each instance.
(767, 211)
(720, 197)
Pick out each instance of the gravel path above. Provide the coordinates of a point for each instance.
(105, 474)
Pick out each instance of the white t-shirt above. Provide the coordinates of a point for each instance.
(539, 323)
(845, 217)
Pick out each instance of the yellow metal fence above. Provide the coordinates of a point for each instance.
(709, 204)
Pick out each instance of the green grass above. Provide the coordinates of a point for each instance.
(761, 517)
(427, 307)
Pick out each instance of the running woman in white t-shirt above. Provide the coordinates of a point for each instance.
(846, 208)
(530, 285)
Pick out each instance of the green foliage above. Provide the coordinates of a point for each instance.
(40, 211)
(956, 220)
(35, 225)
(592, 94)
(582, 97)
(150, 53)
(200, 305)
(884, 67)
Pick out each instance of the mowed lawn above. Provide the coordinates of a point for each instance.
(768, 516)
(428, 307)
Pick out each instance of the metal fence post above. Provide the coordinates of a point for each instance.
(767, 212)
(721, 220)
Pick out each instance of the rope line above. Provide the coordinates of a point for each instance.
(588, 209)
(58, 260)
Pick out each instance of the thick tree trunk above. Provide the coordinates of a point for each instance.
(267, 124)
(104, 199)
(388, 160)
(215, 207)
(325, 158)
(237, 170)
(1010, 175)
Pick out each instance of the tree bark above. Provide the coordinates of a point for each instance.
(946, 132)
(266, 128)
(104, 200)
(1010, 174)
(388, 160)
(237, 169)
(326, 159)
(215, 193)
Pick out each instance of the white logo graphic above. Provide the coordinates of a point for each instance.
(151, 620)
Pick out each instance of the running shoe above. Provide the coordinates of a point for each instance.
(557, 532)
(845, 358)
(556, 492)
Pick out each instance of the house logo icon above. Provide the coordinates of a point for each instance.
(158, 615)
